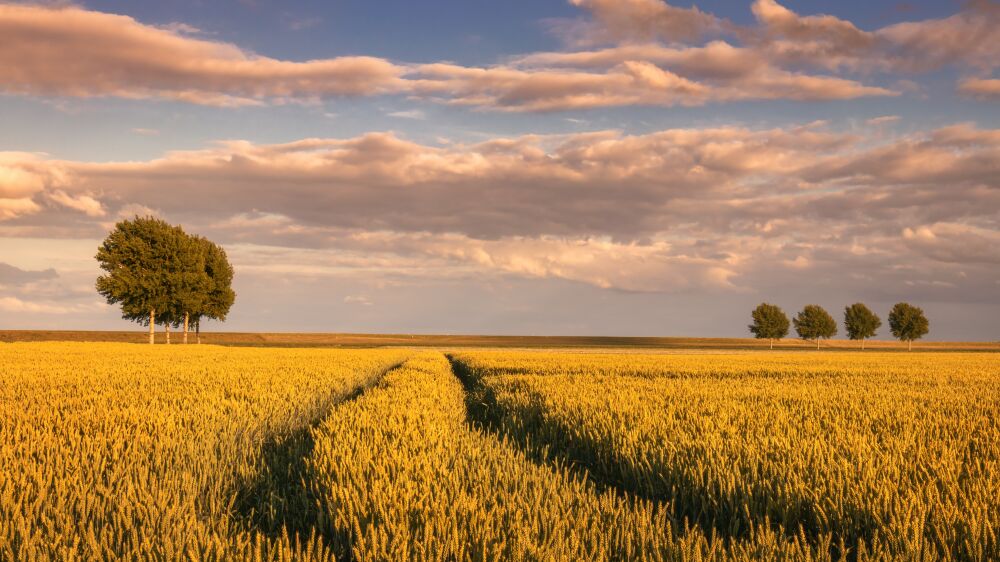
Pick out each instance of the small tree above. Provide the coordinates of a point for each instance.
(769, 322)
(220, 296)
(814, 322)
(860, 322)
(908, 323)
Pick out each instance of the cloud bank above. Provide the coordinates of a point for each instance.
(652, 55)
(672, 210)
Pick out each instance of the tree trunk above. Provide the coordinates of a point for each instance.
(772, 342)
(166, 328)
(909, 345)
(197, 331)
(817, 342)
(152, 326)
(185, 327)
(862, 344)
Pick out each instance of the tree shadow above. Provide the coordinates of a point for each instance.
(282, 498)
(728, 514)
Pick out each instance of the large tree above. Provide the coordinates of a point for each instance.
(219, 296)
(161, 275)
(814, 322)
(769, 322)
(908, 323)
(860, 322)
(140, 261)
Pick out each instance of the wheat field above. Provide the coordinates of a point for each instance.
(126, 452)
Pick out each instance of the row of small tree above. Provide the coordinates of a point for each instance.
(906, 322)
(159, 274)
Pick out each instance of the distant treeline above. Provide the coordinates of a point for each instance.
(159, 274)
(906, 322)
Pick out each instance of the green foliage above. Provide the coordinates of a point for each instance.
(219, 295)
(138, 259)
(769, 322)
(814, 322)
(152, 266)
(187, 284)
(907, 322)
(860, 322)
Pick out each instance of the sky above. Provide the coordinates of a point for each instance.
(580, 167)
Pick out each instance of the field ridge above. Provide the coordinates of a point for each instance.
(266, 339)
(282, 498)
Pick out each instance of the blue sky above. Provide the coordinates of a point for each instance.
(587, 167)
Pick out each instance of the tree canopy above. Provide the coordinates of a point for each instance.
(814, 322)
(860, 322)
(908, 323)
(159, 274)
(769, 322)
(219, 295)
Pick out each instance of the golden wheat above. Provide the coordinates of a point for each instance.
(887, 454)
(116, 451)
(122, 452)
(404, 475)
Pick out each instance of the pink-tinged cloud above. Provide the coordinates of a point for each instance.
(601, 183)
(633, 212)
(968, 38)
(723, 209)
(25, 306)
(725, 72)
(955, 243)
(76, 52)
(24, 175)
(631, 83)
(651, 19)
(784, 37)
(982, 88)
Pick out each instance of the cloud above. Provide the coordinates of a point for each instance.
(409, 114)
(22, 176)
(967, 38)
(18, 305)
(673, 210)
(882, 120)
(786, 39)
(651, 267)
(10, 275)
(358, 299)
(725, 72)
(146, 132)
(83, 203)
(955, 243)
(511, 89)
(299, 24)
(651, 19)
(982, 88)
(592, 183)
(75, 52)
(117, 56)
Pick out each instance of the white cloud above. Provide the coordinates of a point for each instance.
(409, 114)
(17, 305)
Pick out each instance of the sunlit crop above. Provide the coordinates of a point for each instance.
(126, 452)
(117, 451)
(892, 454)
